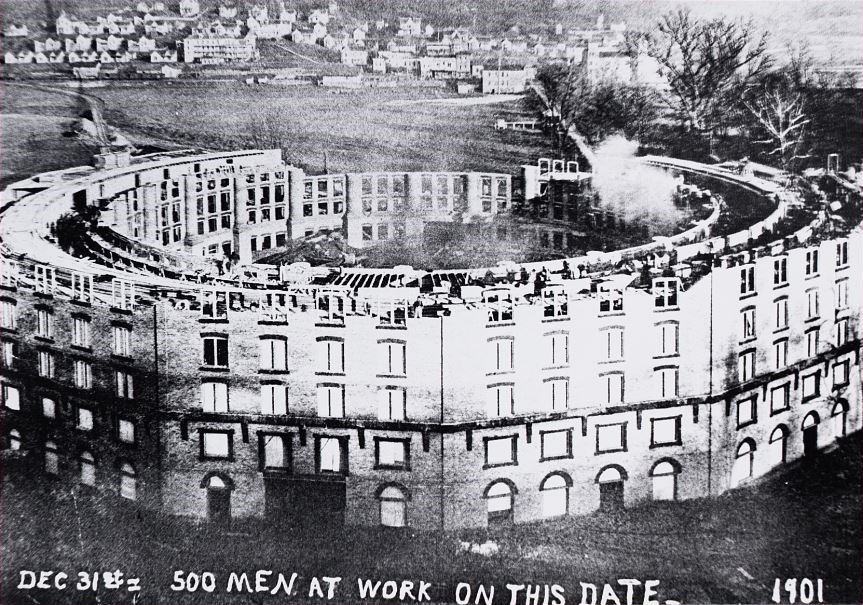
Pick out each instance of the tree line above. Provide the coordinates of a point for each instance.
(721, 83)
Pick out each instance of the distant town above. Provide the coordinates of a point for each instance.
(331, 48)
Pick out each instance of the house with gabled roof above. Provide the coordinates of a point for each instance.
(319, 15)
(228, 11)
(16, 30)
(409, 27)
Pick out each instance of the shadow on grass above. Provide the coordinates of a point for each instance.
(801, 522)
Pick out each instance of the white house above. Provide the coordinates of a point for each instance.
(505, 80)
(217, 29)
(272, 31)
(319, 16)
(299, 36)
(287, 15)
(47, 45)
(189, 8)
(354, 56)
(141, 45)
(170, 72)
(227, 11)
(79, 43)
(64, 25)
(409, 27)
(14, 30)
(401, 47)
(112, 43)
(127, 27)
(83, 73)
(259, 13)
(157, 28)
(328, 41)
(163, 56)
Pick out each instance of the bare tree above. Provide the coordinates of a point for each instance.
(562, 91)
(568, 99)
(707, 63)
(781, 113)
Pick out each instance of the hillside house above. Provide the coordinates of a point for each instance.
(86, 73)
(189, 8)
(274, 31)
(288, 15)
(65, 25)
(328, 41)
(410, 27)
(228, 11)
(47, 45)
(164, 55)
(319, 16)
(141, 45)
(354, 56)
(111, 43)
(170, 72)
(506, 80)
(218, 29)
(259, 12)
(15, 30)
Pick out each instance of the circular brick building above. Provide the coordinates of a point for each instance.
(148, 355)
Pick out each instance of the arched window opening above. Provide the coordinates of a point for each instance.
(52, 461)
(393, 502)
(810, 434)
(839, 419)
(14, 440)
(743, 463)
(88, 469)
(664, 480)
(218, 498)
(778, 446)
(499, 503)
(555, 495)
(128, 482)
(610, 480)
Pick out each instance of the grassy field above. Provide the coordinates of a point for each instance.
(804, 523)
(33, 143)
(361, 130)
(32, 129)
